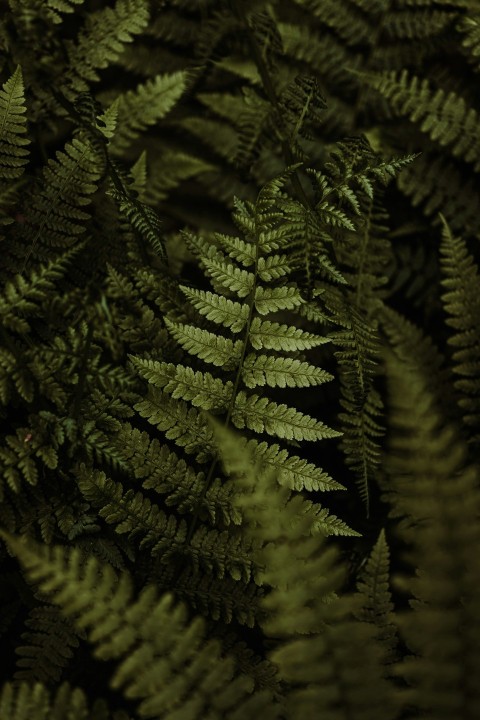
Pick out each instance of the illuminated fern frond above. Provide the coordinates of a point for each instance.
(251, 280)
(263, 415)
(260, 370)
(217, 308)
(209, 347)
(287, 338)
(294, 472)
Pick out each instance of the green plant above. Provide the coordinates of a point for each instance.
(239, 270)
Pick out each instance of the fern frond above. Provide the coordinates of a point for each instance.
(161, 470)
(292, 471)
(316, 629)
(217, 308)
(201, 389)
(446, 117)
(263, 415)
(149, 637)
(145, 106)
(50, 641)
(437, 496)
(469, 26)
(438, 185)
(376, 598)
(61, 6)
(267, 289)
(58, 209)
(101, 41)
(461, 302)
(208, 346)
(212, 550)
(281, 372)
(13, 125)
(33, 702)
(22, 295)
(288, 338)
(181, 423)
(418, 24)
(351, 26)
(143, 219)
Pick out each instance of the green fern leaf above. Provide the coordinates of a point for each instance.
(436, 494)
(294, 472)
(33, 702)
(281, 372)
(101, 41)
(271, 299)
(376, 598)
(13, 125)
(217, 308)
(149, 632)
(50, 641)
(264, 415)
(462, 305)
(146, 105)
(201, 389)
(229, 277)
(275, 336)
(181, 423)
(22, 295)
(209, 347)
(446, 117)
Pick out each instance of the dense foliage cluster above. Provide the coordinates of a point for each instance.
(239, 359)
